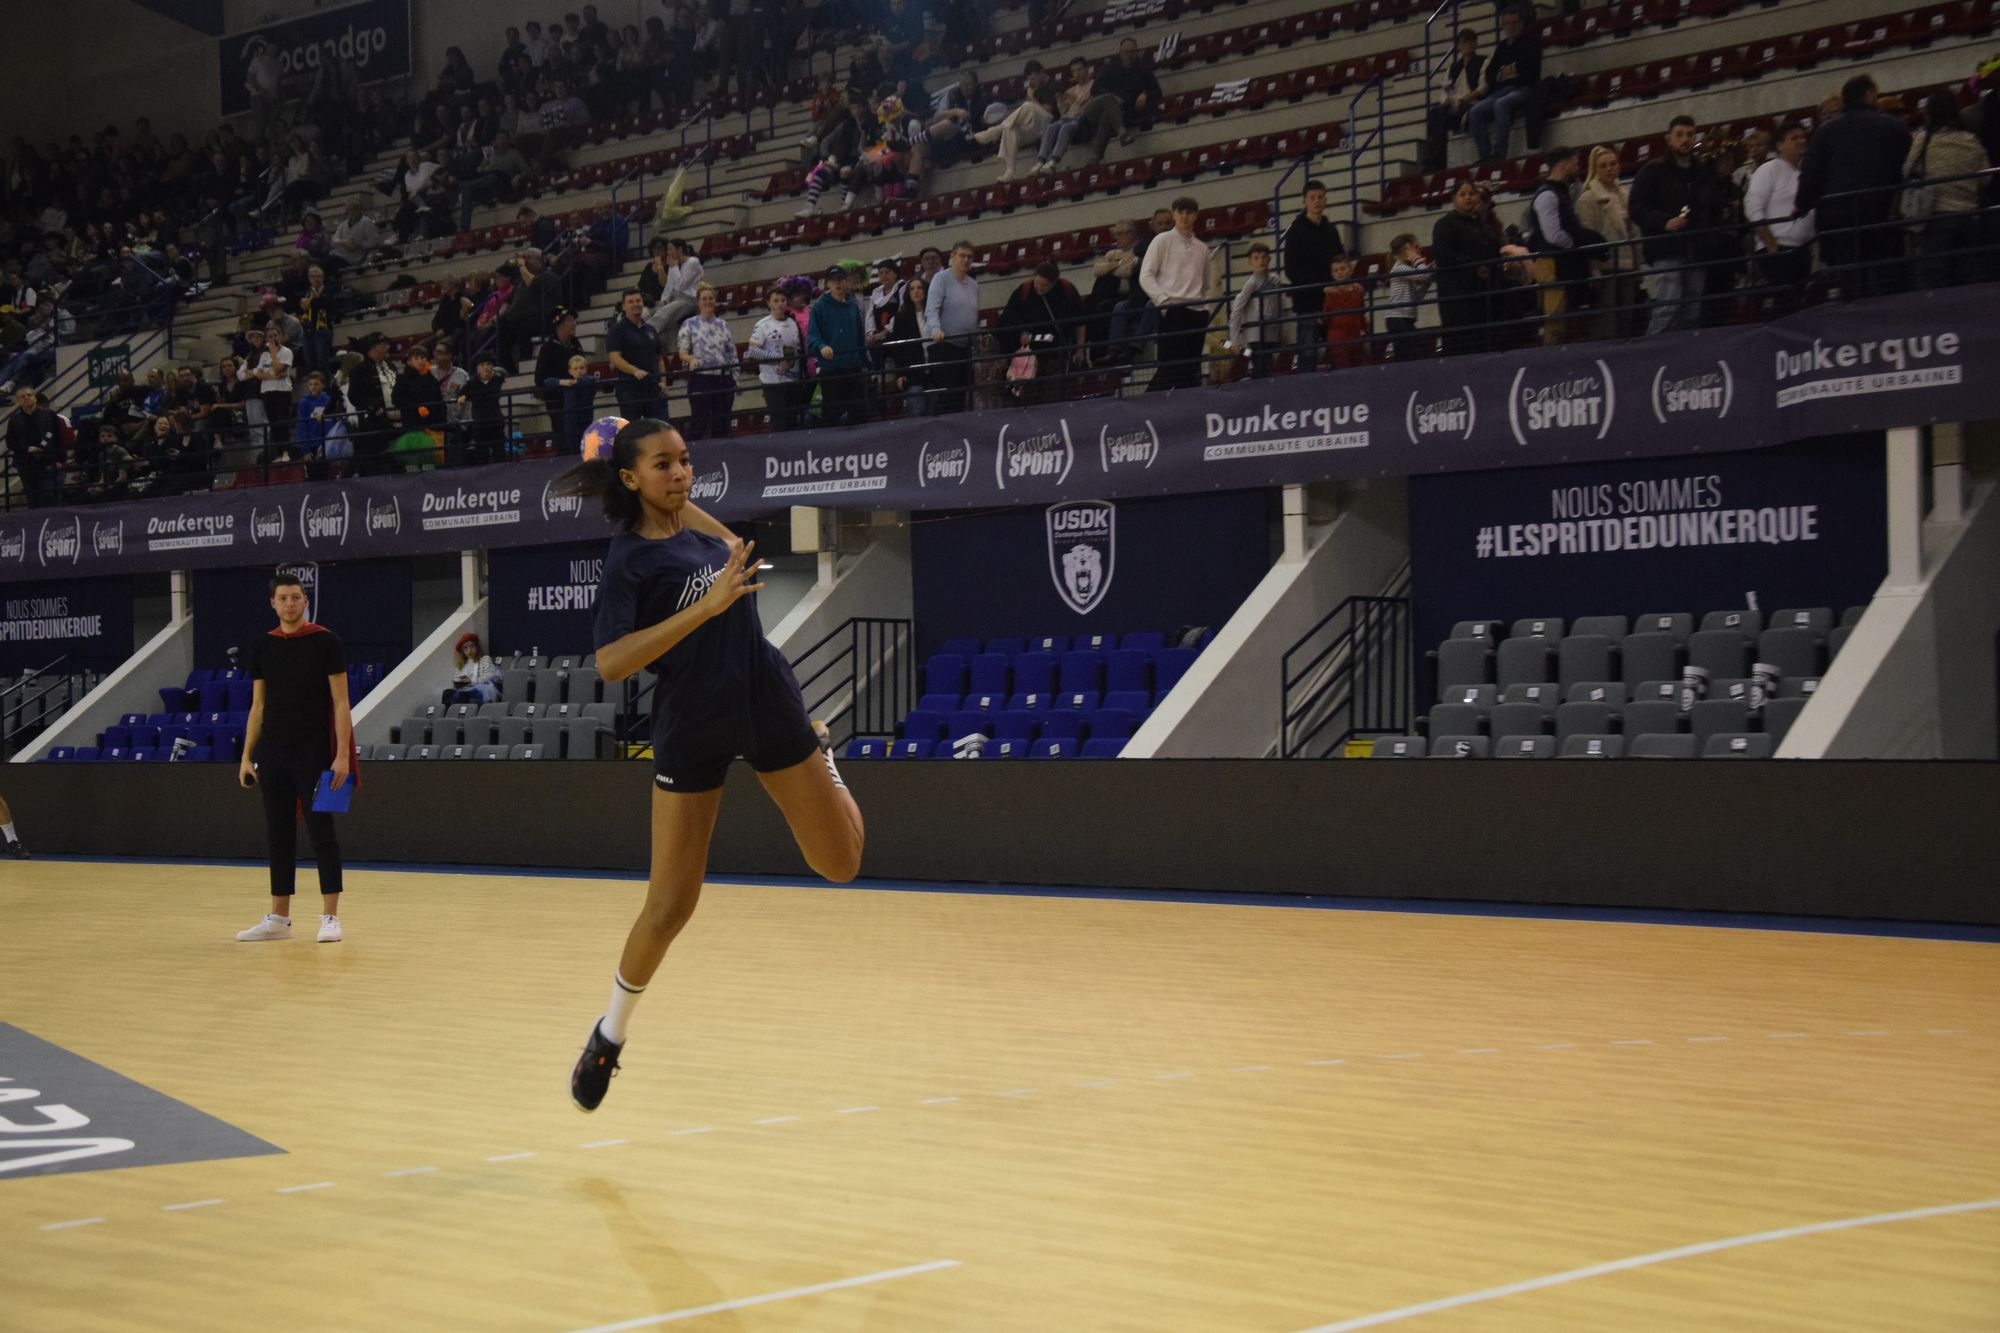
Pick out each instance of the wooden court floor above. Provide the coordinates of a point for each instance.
(889, 1111)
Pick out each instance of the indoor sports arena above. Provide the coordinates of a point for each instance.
(1049, 666)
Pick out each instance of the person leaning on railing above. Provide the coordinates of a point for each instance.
(1948, 211)
(1784, 235)
(709, 352)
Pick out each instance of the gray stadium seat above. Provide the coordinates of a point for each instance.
(1485, 696)
(1584, 657)
(1725, 687)
(548, 686)
(583, 685)
(1456, 720)
(1458, 747)
(512, 731)
(1654, 717)
(1510, 720)
(1650, 657)
(1679, 624)
(1525, 747)
(525, 752)
(490, 752)
(590, 660)
(388, 752)
(460, 751)
(1657, 746)
(413, 731)
(524, 709)
(477, 731)
(581, 738)
(1463, 662)
(447, 731)
(459, 712)
(1669, 690)
(1398, 747)
(1720, 652)
(1525, 659)
(1613, 628)
(1596, 692)
(421, 752)
(1798, 687)
(1851, 616)
(364, 752)
(562, 712)
(1713, 717)
(563, 663)
(1592, 747)
(1837, 640)
(1779, 714)
(1746, 622)
(495, 709)
(1737, 745)
(1544, 694)
(607, 713)
(529, 662)
(1476, 629)
(1795, 652)
(1818, 619)
(1585, 719)
(1537, 627)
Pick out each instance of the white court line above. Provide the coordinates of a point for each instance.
(745, 1302)
(605, 1143)
(300, 1189)
(698, 1129)
(776, 1120)
(1480, 1050)
(1163, 1078)
(1869, 1032)
(183, 1207)
(1016, 1092)
(936, 1101)
(1405, 1055)
(1631, 1041)
(1099, 1083)
(1785, 1036)
(1946, 1032)
(420, 1170)
(1643, 1261)
(856, 1110)
(1708, 1039)
(1326, 1062)
(510, 1157)
(1557, 1046)
(65, 1226)
(1249, 1069)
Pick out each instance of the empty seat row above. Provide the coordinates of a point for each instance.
(1000, 747)
(90, 754)
(380, 752)
(577, 737)
(1794, 651)
(1038, 673)
(1144, 641)
(1680, 624)
(1110, 722)
(1650, 745)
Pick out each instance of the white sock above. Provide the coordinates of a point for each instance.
(274, 916)
(624, 996)
(8, 829)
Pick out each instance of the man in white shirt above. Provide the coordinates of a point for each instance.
(1175, 274)
(263, 81)
(1784, 242)
(357, 236)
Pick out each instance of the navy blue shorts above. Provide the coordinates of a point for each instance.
(770, 732)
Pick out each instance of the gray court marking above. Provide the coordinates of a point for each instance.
(64, 1113)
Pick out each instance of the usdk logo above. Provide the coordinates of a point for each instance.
(1580, 406)
(1083, 550)
(556, 506)
(14, 544)
(1451, 416)
(325, 522)
(1044, 454)
(1706, 393)
(64, 542)
(944, 464)
(267, 525)
(1137, 448)
(383, 516)
(710, 486)
(107, 538)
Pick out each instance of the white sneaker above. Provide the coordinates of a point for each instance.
(1006, 175)
(807, 211)
(1044, 168)
(329, 930)
(272, 927)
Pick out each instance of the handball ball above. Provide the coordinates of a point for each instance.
(599, 435)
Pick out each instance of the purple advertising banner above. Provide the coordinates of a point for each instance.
(1896, 361)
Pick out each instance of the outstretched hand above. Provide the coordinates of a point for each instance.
(733, 582)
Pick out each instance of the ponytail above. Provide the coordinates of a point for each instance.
(597, 478)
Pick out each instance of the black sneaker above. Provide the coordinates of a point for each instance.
(591, 1078)
(16, 850)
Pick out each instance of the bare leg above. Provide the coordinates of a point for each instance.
(682, 824)
(6, 815)
(825, 821)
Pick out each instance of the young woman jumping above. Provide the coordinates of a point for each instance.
(676, 601)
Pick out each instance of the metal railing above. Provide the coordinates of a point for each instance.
(1278, 207)
(1352, 674)
(1436, 64)
(861, 679)
(36, 687)
(1358, 145)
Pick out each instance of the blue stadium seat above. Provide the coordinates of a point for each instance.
(909, 749)
(938, 703)
(962, 647)
(1006, 747)
(60, 754)
(87, 754)
(924, 726)
(1081, 671)
(1081, 701)
(867, 747)
(158, 719)
(1094, 643)
(1127, 669)
(1053, 644)
(116, 753)
(1061, 726)
(1169, 667)
(1015, 724)
(145, 754)
(1032, 702)
(132, 719)
(1149, 642)
(214, 696)
(966, 721)
(175, 697)
(1112, 724)
(1034, 673)
(989, 674)
(981, 703)
(118, 737)
(1102, 749)
(198, 754)
(239, 696)
(1137, 702)
(1011, 647)
(944, 674)
(1063, 748)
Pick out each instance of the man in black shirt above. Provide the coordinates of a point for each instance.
(1310, 245)
(299, 728)
(1853, 165)
(1512, 76)
(634, 351)
(34, 440)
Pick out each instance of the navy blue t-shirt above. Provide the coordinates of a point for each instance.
(713, 682)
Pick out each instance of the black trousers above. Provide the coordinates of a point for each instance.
(951, 373)
(286, 776)
(1182, 332)
(842, 397)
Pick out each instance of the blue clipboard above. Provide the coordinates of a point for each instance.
(329, 801)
